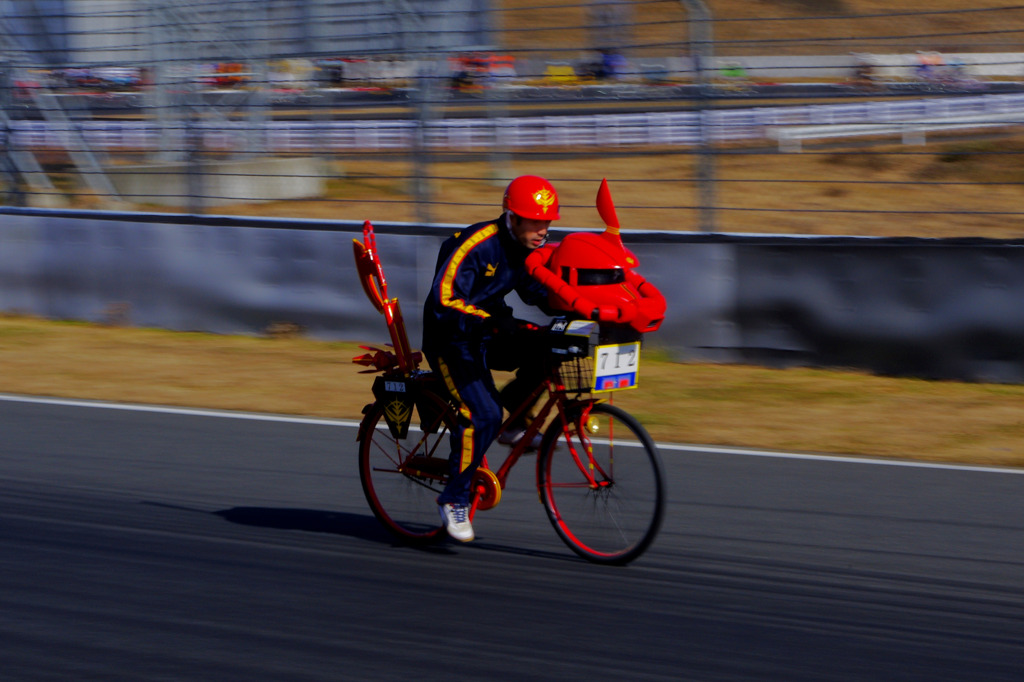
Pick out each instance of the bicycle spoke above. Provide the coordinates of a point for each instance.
(402, 477)
(603, 494)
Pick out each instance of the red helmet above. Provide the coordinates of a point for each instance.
(531, 197)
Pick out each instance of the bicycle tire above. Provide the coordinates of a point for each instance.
(402, 477)
(616, 518)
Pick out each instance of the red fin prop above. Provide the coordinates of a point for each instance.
(606, 209)
(371, 276)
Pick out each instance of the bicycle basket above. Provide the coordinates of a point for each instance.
(577, 374)
(595, 358)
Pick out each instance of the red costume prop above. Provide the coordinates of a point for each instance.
(593, 275)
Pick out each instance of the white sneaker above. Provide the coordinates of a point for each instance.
(513, 436)
(456, 520)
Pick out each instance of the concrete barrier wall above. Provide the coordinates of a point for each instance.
(925, 308)
(930, 308)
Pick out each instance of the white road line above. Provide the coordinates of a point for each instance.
(186, 411)
(852, 459)
(289, 419)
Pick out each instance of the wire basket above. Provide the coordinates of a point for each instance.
(577, 374)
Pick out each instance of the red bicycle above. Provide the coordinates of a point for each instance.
(598, 472)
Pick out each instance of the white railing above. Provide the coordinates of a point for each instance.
(788, 125)
(791, 138)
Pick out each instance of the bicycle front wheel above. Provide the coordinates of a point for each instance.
(602, 483)
(402, 477)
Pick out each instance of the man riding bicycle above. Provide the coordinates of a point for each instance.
(469, 329)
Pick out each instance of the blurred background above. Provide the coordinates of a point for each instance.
(850, 117)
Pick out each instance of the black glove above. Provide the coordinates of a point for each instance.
(503, 325)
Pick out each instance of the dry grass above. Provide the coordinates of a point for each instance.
(798, 409)
(833, 411)
(948, 189)
(286, 375)
(752, 27)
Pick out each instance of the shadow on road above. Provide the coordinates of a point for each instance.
(359, 526)
(312, 520)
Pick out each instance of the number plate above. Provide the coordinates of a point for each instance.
(615, 366)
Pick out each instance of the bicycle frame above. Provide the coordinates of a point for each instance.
(557, 400)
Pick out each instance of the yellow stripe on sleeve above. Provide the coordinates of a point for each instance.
(448, 298)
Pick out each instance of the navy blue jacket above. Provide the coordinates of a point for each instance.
(476, 269)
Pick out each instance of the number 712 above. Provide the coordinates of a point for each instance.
(623, 358)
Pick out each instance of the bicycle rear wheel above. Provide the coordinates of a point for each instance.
(402, 477)
(602, 483)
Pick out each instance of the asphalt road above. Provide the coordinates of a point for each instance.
(139, 545)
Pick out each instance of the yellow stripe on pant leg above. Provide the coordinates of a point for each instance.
(467, 449)
(466, 455)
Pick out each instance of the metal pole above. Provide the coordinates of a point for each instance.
(421, 147)
(161, 45)
(8, 168)
(497, 112)
(701, 51)
(417, 42)
(193, 165)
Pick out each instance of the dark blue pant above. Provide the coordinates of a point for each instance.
(466, 371)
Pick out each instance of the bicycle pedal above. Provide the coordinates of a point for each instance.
(426, 466)
(512, 438)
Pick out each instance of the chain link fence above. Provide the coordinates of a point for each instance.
(702, 116)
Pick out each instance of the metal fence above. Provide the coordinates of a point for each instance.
(421, 109)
